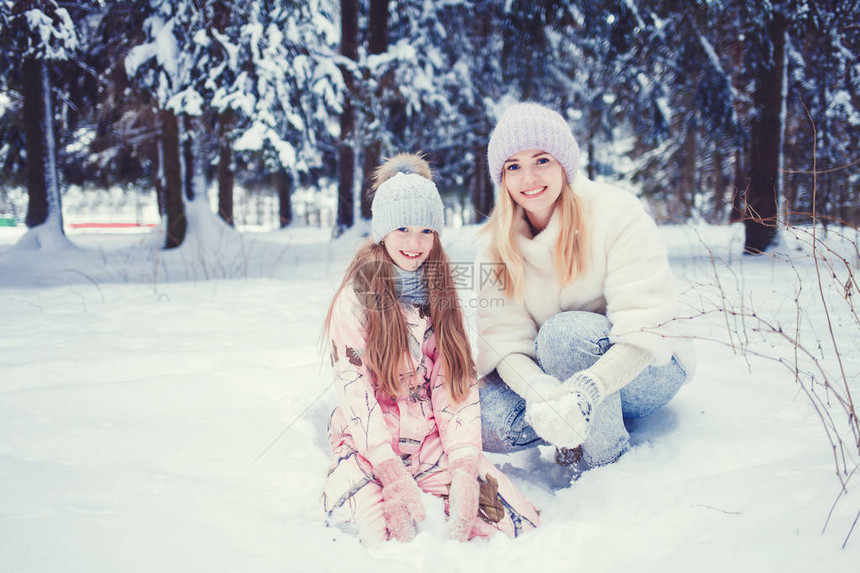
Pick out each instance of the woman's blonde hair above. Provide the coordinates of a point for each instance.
(373, 277)
(571, 249)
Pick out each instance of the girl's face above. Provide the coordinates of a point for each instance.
(409, 247)
(534, 179)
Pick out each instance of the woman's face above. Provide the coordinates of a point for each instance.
(409, 247)
(534, 180)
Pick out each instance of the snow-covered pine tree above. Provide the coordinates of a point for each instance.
(162, 66)
(125, 149)
(271, 81)
(822, 130)
(411, 72)
(39, 33)
(470, 40)
(405, 87)
(12, 156)
(700, 128)
(459, 81)
(75, 85)
(220, 62)
(435, 89)
(307, 97)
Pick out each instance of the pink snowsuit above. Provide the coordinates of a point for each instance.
(423, 427)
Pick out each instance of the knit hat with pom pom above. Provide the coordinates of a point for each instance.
(532, 126)
(404, 195)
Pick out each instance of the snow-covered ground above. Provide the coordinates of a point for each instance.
(166, 412)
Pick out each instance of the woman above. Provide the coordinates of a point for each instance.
(582, 339)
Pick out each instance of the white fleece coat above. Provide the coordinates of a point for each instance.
(628, 280)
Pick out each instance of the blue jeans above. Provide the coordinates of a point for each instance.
(567, 343)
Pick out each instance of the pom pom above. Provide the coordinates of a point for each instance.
(401, 163)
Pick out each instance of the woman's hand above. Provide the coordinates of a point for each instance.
(559, 413)
(587, 384)
(463, 498)
(401, 499)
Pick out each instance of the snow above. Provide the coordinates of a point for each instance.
(234, 97)
(328, 82)
(252, 139)
(51, 40)
(329, 32)
(187, 101)
(81, 140)
(5, 103)
(138, 56)
(255, 137)
(162, 47)
(166, 411)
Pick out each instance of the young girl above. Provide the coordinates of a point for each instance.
(408, 417)
(583, 340)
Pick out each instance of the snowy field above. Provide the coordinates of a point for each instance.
(165, 412)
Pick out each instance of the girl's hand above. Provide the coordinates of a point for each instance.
(401, 499)
(463, 498)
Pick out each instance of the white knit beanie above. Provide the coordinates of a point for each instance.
(405, 199)
(532, 126)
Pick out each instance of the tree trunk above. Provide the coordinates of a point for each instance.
(377, 44)
(174, 206)
(189, 157)
(226, 173)
(589, 169)
(44, 206)
(594, 116)
(284, 185)
(823, 180)
(160, 192)
(739, 178)
(719, 188)
(346, 179)
(739, 189)
(481, 187)
(687, 188)
(766, 132)
(372, 158)
(345, 151)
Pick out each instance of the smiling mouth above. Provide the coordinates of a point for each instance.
(411, 254)
(533, 192)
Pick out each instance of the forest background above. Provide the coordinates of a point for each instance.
(714, 110)
(151, 400)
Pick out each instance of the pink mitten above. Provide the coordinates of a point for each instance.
(401, 499)
(463, 498)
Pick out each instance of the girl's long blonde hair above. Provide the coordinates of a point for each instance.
(571, 247)
(372, 275)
